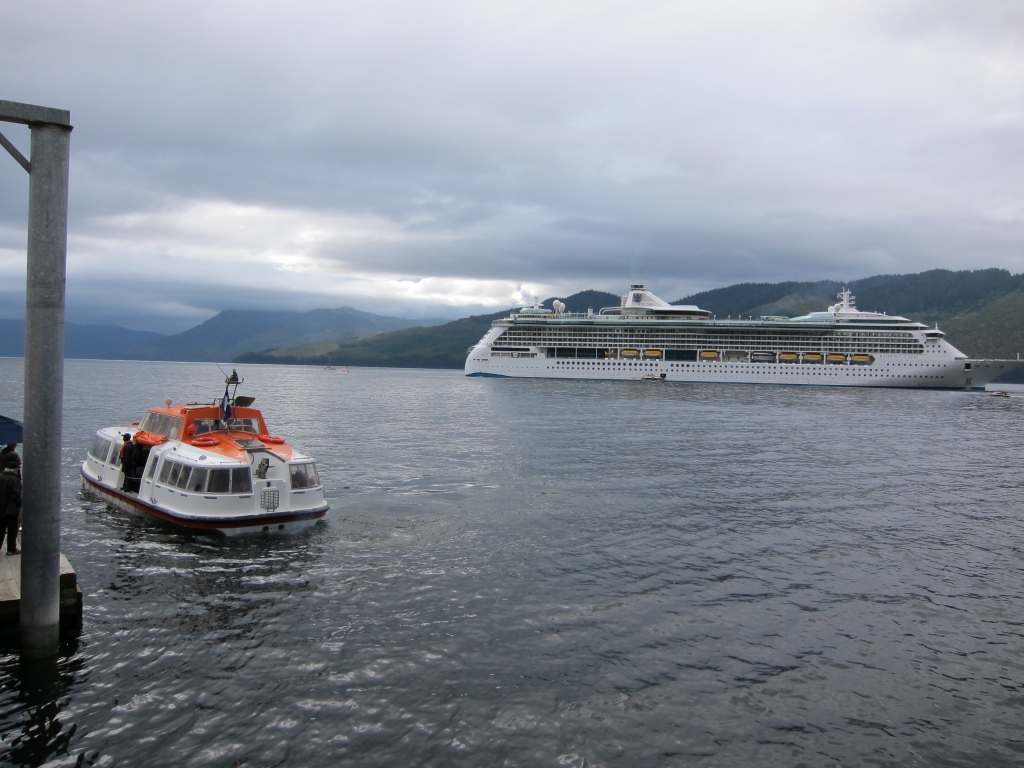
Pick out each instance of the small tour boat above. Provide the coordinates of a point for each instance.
(208, 467)
(1000, 393)
(653, 377)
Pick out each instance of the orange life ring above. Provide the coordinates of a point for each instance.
(271, 439)
(208, 440)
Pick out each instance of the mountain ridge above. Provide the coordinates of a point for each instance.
(234, 331)
(81, 341)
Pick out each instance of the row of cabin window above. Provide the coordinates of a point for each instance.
(161, 424)
(203, 480)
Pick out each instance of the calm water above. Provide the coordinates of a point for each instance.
(553, 573)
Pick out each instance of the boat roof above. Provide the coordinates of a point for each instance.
(217, 437)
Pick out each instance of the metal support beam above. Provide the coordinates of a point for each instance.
(22, 160)
(44, 373)
(26, 114)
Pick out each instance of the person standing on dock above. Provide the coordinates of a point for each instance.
(10, 508)
(9, 458)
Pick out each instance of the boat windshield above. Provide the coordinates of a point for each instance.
(233, 425)
(161, 424)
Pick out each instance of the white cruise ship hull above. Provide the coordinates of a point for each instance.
(648, 339)
(894, 371)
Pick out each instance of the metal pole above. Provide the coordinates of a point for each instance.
(44, 388)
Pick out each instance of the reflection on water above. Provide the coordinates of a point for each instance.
(560, 573)
(33, 699)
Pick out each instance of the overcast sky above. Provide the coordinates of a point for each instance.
(437, 159)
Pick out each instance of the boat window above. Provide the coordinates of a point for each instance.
(153, 461)
(161, 424)
(174, 428)
(100, 448)
(197, 481)
(304, 476)
(241, 481)
(183, 476)
(298, 473)
(220, 481)
(165, 470)
(172, 478)
(219, 425)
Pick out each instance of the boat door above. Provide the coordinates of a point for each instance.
(146, 488)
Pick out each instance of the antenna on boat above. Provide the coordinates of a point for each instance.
(214, 360)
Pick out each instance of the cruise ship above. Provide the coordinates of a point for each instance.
(646, 338)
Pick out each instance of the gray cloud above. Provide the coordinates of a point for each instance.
(429, 158)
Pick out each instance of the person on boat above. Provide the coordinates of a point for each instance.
(10, 508)
(141, 458)
(128, 462)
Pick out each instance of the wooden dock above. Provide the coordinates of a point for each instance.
(10, 592)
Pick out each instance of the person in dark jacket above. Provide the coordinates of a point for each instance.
(10, 508)
(128, 463)
(9, 458)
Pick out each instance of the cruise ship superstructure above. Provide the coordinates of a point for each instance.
(646, 338)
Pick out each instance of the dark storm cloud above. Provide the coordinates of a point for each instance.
(408, 156)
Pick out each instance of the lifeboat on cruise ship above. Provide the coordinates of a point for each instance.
(835, 358)
(207, 467)
(789, 357)
(652, 354)
(813, 357)
(862, 359)
(709, 355)
(630, 354)
(762, 357)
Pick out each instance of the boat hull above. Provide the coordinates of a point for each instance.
(886, 371)
(235, 525)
